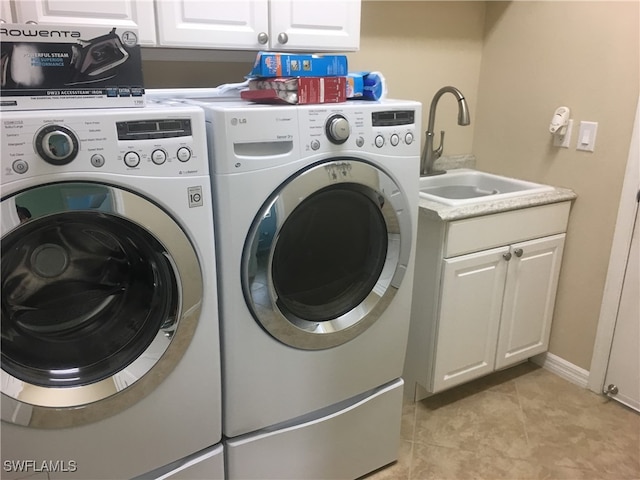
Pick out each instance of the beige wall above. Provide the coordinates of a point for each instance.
(536, 57)
(515, 62)
(420, 46)
(192, 74)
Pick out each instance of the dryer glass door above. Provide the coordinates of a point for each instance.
(91, 296)
(326, 254)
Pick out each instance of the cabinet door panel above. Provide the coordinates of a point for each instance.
(108, 13)
(221, 24)
(315, 25)
(470, 306)
(532, 280)
(6, 16)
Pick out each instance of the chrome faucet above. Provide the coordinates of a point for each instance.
(429, 155)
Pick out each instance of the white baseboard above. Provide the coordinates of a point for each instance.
(561, 367)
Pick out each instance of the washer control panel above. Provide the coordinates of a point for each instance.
(150, 141)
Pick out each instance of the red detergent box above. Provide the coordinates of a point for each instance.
(58, 66)
(269, 64)
(297, 91)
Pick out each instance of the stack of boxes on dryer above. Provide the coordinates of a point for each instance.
(77, 66)
(297, 79)
(301, 79)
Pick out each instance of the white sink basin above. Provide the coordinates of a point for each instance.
(466, 186)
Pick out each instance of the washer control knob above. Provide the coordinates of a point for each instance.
(158, 157)
(315, 144)
(379, 141)
(184, 154)
(395, 140)
(337, 129)
(131, 159)
(56, 145)
(360, 141)
(408, 138)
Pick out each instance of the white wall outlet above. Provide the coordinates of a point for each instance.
(587, 136)
(563, 141)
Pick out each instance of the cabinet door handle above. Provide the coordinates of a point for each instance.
(518, 252)
(263, 38)
(283, 38)
(507, 256)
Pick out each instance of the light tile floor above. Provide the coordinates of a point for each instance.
(519, 424)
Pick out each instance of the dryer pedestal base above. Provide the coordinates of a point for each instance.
(344, 444)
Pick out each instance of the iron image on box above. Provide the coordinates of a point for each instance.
(56, 66)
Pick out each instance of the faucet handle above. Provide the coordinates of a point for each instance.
(438, 151)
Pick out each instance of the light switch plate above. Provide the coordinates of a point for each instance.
(587, 136)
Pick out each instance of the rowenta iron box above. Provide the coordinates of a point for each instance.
(57, 66)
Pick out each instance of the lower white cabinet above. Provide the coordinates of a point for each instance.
(529, 299)
(496, 309)
(484, 294)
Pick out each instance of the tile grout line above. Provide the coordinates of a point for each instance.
(522, 414)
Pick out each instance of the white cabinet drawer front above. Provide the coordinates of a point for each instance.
(480, 233)
(347, 443)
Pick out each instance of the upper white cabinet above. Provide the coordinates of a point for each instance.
(5, 12)
(207, 24)
(313, 25)
(109, 13)
(279, 25)
(484, 294)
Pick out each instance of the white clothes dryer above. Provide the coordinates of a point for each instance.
(110, 345)
(316, 214)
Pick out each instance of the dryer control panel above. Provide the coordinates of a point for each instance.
(247, 137)
(153, 141)
(388, 128)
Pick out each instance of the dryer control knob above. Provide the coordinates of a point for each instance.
(56, 145)
(337, 129)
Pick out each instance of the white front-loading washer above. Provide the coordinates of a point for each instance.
(110, 344)
(315, 212)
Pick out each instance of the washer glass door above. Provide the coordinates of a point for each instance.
(92, 293)
(326, 254)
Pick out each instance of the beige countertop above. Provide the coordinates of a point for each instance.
(449, 213)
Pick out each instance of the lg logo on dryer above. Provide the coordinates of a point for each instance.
(238, 121)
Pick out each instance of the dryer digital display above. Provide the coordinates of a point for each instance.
(392, 118)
